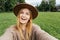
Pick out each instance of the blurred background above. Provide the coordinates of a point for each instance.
(48, 18)
(42, 5)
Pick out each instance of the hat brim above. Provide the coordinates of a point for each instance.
(24, 5)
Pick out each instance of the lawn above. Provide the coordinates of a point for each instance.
(48, 21)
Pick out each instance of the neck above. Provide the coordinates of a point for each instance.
(23, 26)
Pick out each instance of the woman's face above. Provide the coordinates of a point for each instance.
(24, 15)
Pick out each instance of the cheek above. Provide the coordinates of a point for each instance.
(28, 17)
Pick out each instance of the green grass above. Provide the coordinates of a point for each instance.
(48, 21)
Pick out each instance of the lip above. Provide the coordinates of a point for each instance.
(23, 18)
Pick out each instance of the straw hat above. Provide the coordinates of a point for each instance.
(24, 5)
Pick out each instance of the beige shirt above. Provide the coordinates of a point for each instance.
(37, 34)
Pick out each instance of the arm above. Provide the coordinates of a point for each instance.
(7, 35)
(42, 35)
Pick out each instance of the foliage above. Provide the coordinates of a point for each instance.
(47, 6)
(7, 5)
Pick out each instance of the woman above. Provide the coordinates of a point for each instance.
(25, 29)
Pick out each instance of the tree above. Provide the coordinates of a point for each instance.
(44, 6)
(21, 1)
(2, 2)
(47, 5)
(52, 5)
(8, 5)
(39, 8)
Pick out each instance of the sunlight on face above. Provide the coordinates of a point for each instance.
(24, 15)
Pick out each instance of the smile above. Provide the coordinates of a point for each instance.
(23, 18)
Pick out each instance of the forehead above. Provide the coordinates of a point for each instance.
(24, 10)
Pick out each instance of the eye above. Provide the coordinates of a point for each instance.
(27, 13)
(21, 12)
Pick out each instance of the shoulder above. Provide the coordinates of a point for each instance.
(36, 27)
(10, 29)
(8, 34)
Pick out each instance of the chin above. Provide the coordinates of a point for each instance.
(23, 22)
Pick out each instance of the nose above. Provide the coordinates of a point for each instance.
(24, 14)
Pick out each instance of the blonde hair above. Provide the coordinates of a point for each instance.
(28, 28)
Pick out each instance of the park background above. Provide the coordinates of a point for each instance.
(48, 18)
